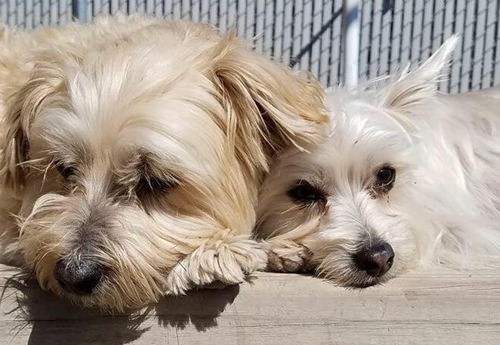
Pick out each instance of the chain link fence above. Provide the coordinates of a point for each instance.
(308, 34)
(395, 33)
(32, 13)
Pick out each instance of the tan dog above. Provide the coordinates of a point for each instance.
(132, 152)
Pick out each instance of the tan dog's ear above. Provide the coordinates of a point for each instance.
(267, 104)
(21, 107)
(14, 151)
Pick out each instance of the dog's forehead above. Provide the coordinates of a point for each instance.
(178, 124)
(357, 145)
(363, 133)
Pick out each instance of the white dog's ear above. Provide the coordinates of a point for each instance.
(267, 104)
(21, 106)
(411, 88)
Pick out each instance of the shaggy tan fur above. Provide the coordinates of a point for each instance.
(139, 145)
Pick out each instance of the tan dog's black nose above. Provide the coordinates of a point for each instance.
(78, 277)
(376, 260)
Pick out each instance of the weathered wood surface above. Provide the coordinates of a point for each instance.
(429, 307)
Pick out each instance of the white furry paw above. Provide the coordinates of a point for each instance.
(227, 263)
(287, 256)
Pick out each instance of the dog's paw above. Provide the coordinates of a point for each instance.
(226, 263)
(287, 256)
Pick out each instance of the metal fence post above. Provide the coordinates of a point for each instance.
(351, 42)
(79, 10)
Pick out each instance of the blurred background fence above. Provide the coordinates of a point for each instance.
(310, 34)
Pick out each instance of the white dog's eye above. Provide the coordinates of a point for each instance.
(385, 177)
(305, 193)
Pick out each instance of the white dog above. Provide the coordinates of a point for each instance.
(407, 176)
(132, 151)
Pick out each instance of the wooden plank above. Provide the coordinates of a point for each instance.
(429, 307)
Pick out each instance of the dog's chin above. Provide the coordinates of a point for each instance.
(361, 280)
(352, 278)
(365, 284)
(110, 296)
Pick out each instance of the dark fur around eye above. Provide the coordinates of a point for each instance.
(385, 178)
(150, 186)
(66, 171)
(304, 193)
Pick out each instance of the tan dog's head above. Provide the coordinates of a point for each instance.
(129, 144)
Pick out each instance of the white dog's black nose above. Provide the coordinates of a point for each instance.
(376, 260)
(78, 277)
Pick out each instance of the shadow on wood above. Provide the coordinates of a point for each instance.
(38, 309)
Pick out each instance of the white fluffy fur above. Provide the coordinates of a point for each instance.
(445, 203)
(128, 102)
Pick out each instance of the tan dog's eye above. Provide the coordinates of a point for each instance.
(65, 170)
(305, 193)
(148, 186)
(385, 178)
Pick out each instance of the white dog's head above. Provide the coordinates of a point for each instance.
(129, 143)
(351, 201)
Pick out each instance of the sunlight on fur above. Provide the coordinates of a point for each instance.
(132, 152)
(407, 177)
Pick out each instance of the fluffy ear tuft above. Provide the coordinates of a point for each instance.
(267, 104)
(21, 107)
(411, 88)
